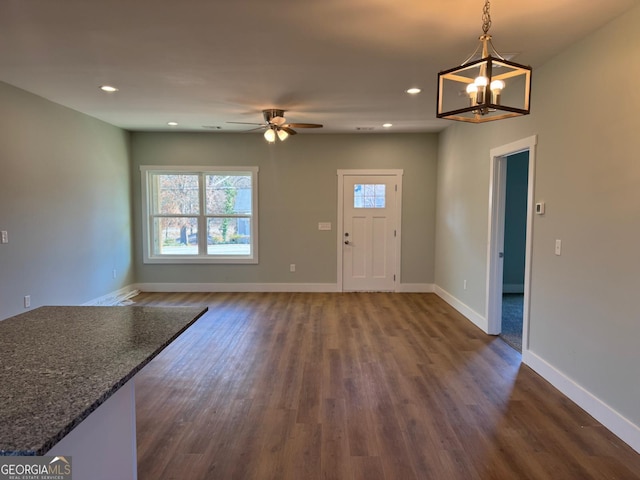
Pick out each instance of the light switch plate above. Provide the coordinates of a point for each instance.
(558, 247)
(5, 236)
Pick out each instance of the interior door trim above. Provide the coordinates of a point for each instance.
(341, 173)
(495, 241)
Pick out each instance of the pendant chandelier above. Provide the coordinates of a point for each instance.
(486, 88)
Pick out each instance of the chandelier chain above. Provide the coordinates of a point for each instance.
(486, 17)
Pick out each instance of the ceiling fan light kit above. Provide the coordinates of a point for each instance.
(491, 88)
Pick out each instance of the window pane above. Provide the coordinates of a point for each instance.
(229, 236)
(176, 194)
(228, 194)
(176, 236)
(369, 196)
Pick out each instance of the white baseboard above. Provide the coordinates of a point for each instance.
(125, 293)
(267, 287)
(113, 298)
(513, 288)
(416, 288)
(238, 287)
(479, 320)
(627, 431)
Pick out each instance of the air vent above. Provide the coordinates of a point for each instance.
(364, 129)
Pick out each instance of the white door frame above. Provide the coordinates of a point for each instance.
(340, 227)
(497, 194)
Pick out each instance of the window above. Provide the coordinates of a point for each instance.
(369, 195)
(200, 214)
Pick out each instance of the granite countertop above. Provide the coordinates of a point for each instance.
(58, 364)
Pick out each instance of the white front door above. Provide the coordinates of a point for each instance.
(369, 232)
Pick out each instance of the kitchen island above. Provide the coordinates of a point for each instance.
(66, 381)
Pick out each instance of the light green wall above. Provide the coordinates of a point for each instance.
(584, 314)
(65, 202)
(298, 189)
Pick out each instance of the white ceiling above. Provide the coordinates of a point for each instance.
(342, 63)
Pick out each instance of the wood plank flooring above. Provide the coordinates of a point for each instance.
(355, 386)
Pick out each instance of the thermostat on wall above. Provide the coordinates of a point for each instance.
(540, 208)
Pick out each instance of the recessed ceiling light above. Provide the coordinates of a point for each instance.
(387, 125)
(172, 124)
(108, 88)
(413, 91)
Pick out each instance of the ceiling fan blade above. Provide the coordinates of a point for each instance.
(303, 125)
(286, 128)
(254, 129)
(249, 123)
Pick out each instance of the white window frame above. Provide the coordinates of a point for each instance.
(148, 218)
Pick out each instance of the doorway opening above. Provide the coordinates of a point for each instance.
(515, 235)
(510, 240)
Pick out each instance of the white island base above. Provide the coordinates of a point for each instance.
(103, 445)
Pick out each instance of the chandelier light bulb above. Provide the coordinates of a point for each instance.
(481, 81)
(496, 89)
(497, 86)
(472, 91)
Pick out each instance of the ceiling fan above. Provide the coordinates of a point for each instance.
(277, 125)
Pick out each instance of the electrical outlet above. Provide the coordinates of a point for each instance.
(5, 237)
(27, 301)
(292, 267)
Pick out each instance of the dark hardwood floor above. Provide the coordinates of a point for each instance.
(355, 386)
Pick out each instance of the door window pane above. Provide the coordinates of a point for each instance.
(369, 195)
